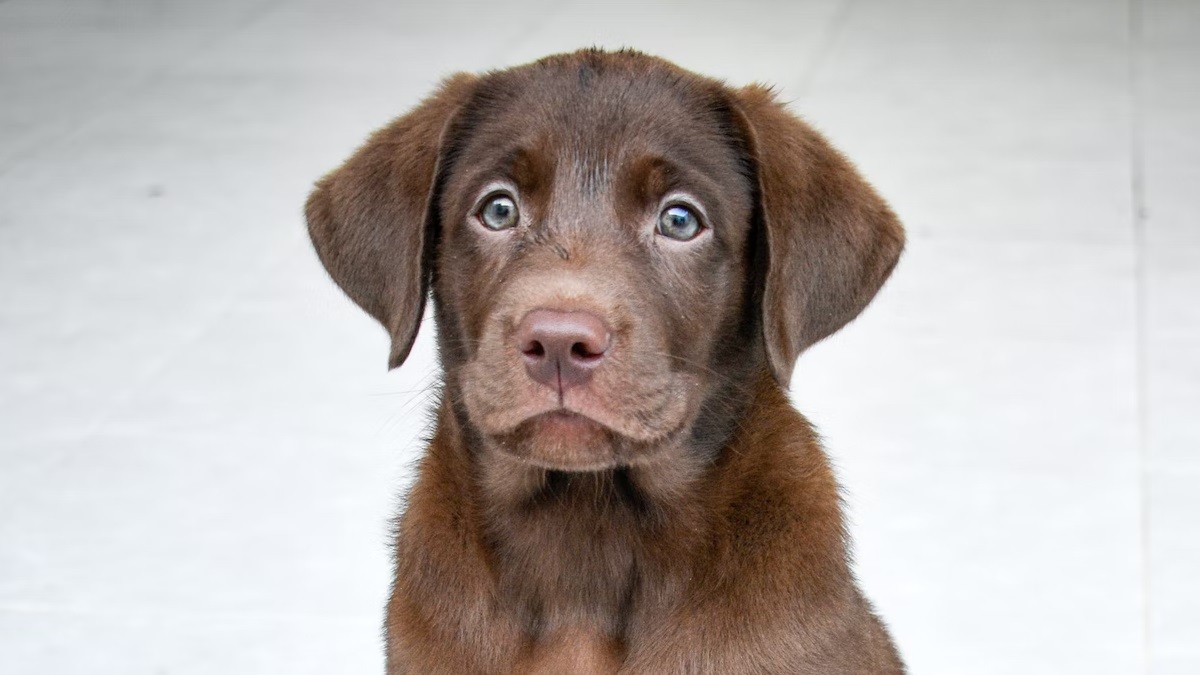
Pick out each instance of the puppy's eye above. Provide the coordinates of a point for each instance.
(499, 213)
(679, 223)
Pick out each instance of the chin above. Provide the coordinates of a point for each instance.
(564, 441)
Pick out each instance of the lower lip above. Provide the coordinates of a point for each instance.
(567, 441)
(566, 423)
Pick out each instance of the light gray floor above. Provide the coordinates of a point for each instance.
(200, 447)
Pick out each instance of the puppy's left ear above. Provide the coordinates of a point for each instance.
(369, 218)
(831, 240)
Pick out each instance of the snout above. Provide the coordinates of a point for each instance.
(562, 349)
(574, 379)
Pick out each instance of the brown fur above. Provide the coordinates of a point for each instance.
(674, 515)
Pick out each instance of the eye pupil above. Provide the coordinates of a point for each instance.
(499, 213)
(679, 223)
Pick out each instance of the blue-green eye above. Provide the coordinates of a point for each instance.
(679, 222)
(499, 213)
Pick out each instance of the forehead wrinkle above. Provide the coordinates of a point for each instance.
(580, 200)
(590, 170)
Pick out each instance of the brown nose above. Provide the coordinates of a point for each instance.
(561, 349)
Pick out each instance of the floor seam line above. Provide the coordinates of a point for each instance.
(837, 22)
(1137, 190)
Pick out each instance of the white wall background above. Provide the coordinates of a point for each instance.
(200, 447)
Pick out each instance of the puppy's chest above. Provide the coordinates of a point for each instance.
(575, 602)
(578, 567)
(566, 570)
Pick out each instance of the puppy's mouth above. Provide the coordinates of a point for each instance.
(564, 422)
(570, 438)
(580, 413)
(563, 440)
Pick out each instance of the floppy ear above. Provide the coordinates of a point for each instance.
(369, 218)
(831, 241)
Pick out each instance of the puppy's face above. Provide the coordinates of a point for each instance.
(592, 257)
(615, 246)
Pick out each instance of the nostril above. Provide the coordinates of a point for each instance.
(534, 349)
(585, 352)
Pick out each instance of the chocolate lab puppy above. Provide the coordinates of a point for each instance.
(625, 260)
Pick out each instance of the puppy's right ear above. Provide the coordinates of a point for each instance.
(369, 218)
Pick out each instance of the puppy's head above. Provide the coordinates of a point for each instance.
(616, 247)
